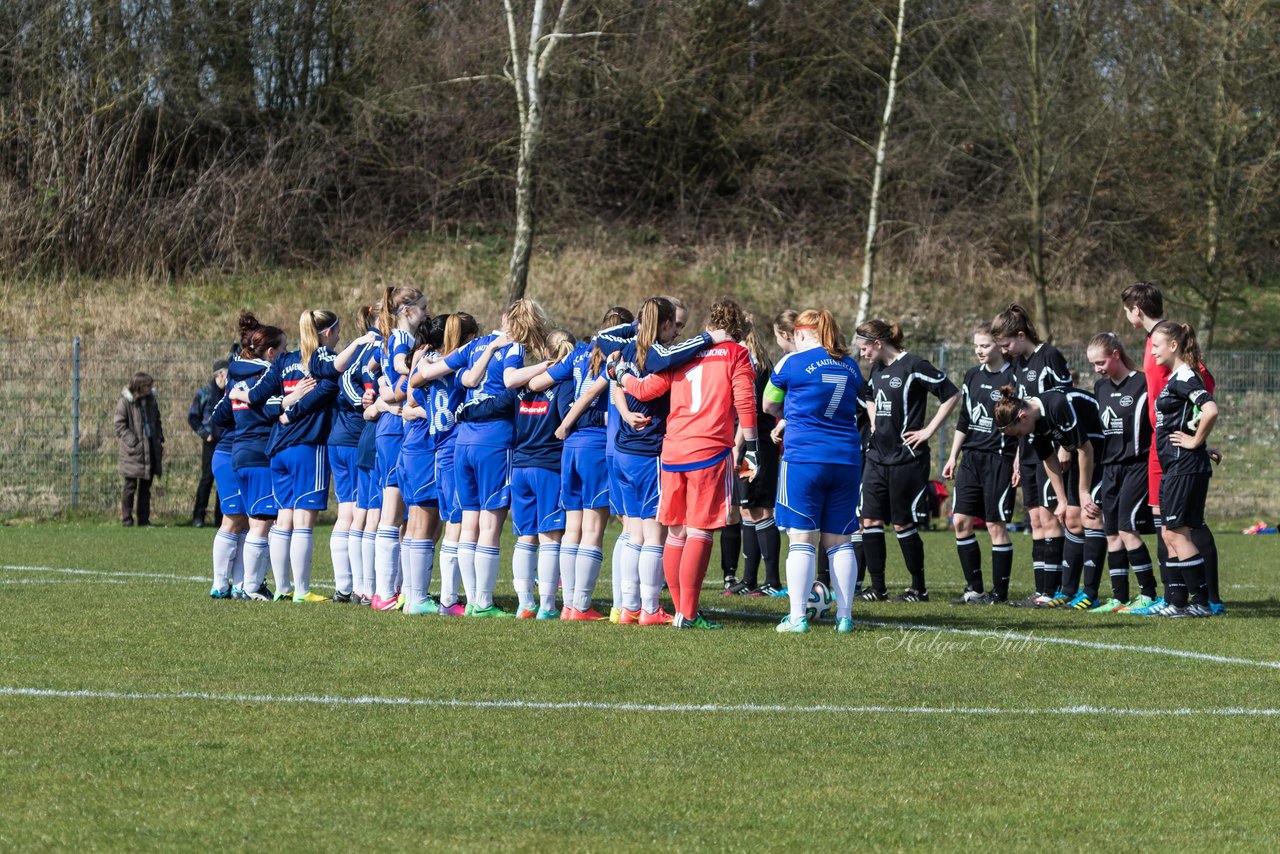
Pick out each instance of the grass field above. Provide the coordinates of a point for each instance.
(139, 714)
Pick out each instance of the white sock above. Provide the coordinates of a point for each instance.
(467, 569)
(417, 580)
(300, 548)
(225, 547)
(548, 575)
(400, 568)
(237, 569)
(802, 561)
(650, 571)
(355, 556)
(568, 571)
(615, 562)
(368, 560)
(630, 577)
(338, 544)
(449, 575)
(524, 565)
(587, 570)
(386, 561)
(257, 562)
(487, 559)
(844, 575)
(279, 546)
(407, 546)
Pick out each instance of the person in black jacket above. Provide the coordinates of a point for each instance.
(199, 417)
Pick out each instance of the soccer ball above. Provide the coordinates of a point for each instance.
(820, 601)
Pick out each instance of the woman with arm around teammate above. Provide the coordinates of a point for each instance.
(816, 389)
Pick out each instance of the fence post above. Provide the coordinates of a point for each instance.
(75, 422)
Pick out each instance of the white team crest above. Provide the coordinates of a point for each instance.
(995, 394)
(895, 382)
(1127, 400)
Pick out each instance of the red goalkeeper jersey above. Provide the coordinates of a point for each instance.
(704, 396)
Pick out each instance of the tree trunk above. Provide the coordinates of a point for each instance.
(522, 247)
(877, 175)
(1040, 305)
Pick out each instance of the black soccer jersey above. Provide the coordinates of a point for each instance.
(1122, 406)
(1070, 419)
(981, 390)
(897, 391)
(1178, 409)
(1046, 368)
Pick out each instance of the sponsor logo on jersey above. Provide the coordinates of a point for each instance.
(979, 419)
(884, 406)
(1112, 422)
(995, 394)
(535, 407)
(1127, 400)
(895, 382)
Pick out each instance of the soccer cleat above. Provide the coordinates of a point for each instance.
(615, 615)
(344, 598)
(380, 604)
(912, 595)
(730, 581)
(988, 598)
(790, 626)
(873, 595)
(310, 597)
(526, 614)
(215, 593)
(844, 625)
(698, 622)
(774, 592)
(1057, 600)
(739, 589)
(400, 600)
(468, 609)
(1194, 610)
(1217, 609)
(1081, 602)
(629, 618)
(1030, 602)
(1109, 606)
(457, 609)
(1149, 609)
(544, 614)
(424, 607)
(491, 612)
(239, 595)
(564, 612)
(657, 618)
(756, 591)
(282, 596)
(970, 597)
(590, 615)
(262, 594)
(1173, 611)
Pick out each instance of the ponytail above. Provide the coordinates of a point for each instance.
(310, 325)
(458, 330)
(394, 301)
(878, 330)
(1011, 321)
(560, 343)
(368, 315)
(760, 356)
(256, 339)
(1184, 335)
(1008, 407)
(1109, 342)
(827, 330)
(653, 313)
(615, 316)
(528, 326)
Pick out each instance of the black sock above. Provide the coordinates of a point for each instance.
(1202, 539)
(1176, 591)
(770, 546)
(730, 549)
(860, 555)
(750, 554)
(1162, 557)
(1193, 579)
(1072, 564)
(1052, 564)
(1095, 557)
(1037, 564)
(1119, 563)
(873, 545)
(913, 556)
(970, 562)
(1001, 569)
(1140, 560)
(823, 570)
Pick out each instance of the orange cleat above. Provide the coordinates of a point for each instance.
(526, 614)
(657, 618)
(566, 613)
(629, 618)
(588, 616)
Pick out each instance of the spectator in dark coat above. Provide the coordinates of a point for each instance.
(141, 447)
(200, 416)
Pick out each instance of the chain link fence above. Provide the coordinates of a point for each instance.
(58, 444)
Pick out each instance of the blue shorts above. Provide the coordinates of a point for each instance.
(300, 477)
(584, 479)
(818, 497)
(615, 486)
(342, 462)
(368, 495)
(388, 465)
(255, 491)
(535, 502)
(640, 484)
(229, 498)
(446, 491)
(418, 478)
(482, 477)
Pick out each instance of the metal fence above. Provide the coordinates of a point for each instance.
(58, 443)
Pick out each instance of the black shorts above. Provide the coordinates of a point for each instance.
(1037, 491)
(763, 491)
(897, 494)
(1182, 500)
(1072, 482)
(984, 487)
(1123, 498)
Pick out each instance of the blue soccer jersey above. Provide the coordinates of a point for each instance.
(253, 424)
(309, 418)
(497, 433)
(819, 397)
(348, 422)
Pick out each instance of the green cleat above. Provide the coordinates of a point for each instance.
(425, 607)
(844, 626)
(1107, 607)
(491, 612)
(790, 626)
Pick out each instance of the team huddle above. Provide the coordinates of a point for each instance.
(431, 432)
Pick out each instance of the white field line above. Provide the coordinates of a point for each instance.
(55, 581)
(587, 705)
(1007, 635)
(143, 576)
